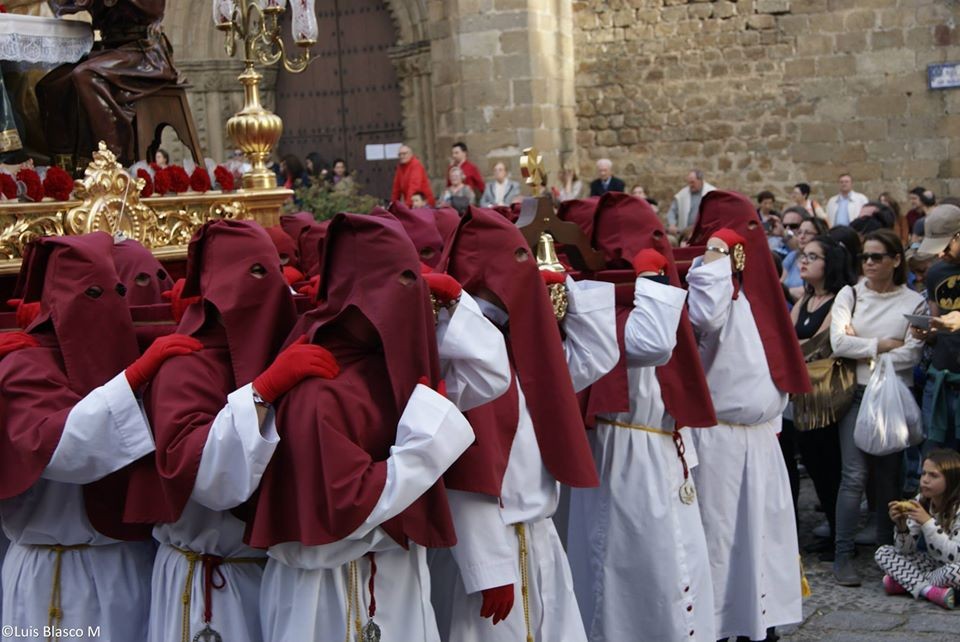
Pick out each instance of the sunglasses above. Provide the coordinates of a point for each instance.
(792, 226)
(875, 257)
(810, 257)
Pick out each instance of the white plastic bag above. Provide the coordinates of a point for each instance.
(889, 419)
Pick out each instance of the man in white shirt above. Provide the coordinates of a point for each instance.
(842, 208)
(501, 190)
(686, 202)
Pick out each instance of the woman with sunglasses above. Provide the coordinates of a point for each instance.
(867, 320)
(825, 269)
(803, 227)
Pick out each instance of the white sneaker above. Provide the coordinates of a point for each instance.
(823, 530)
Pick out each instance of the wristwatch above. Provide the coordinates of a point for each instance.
(717, 248)
(260, 401)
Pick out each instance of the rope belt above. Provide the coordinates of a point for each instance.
(55, 613)
(687, 492)
(524, 577)
(370, 630)
(212, 579)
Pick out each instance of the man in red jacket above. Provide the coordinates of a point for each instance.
(410, 178)
(471, 175)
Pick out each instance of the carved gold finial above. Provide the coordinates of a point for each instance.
(532, 169)
(111, 200)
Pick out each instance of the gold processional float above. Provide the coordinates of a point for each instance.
(108, 198)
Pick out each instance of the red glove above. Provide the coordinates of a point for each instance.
(13, 341)
(649, 260)
(310, 289)
(26, 312)
(443, 286)
(145, 368)
(553, 278)
(441, 387)
(292, 274)
(177, 302)
(497, 602)
(297, 362)
(729, 237)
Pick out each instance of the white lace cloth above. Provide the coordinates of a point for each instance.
(43, 41)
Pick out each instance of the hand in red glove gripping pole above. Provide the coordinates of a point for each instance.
(649, 260)
(177, 301)
(297, 362)
(311, 288)
(553, 278)
(292, 275)
(13, 341)
(26, 312)
(497, 602)
(730, 237)
(145, 368)
(443, 286)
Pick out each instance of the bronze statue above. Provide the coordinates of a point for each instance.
(93, 100)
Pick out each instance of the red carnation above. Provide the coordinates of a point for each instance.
(224, 178)
(32, 180)
(147, 183)
(179, 180)
(161, 182)
(8, 186)
(58, 184)
(200, 180)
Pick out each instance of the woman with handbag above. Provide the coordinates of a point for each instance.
(867, 321)
(812, 428)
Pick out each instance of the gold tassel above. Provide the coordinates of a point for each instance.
(804, 584)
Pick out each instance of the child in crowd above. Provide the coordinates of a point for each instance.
(925, 557)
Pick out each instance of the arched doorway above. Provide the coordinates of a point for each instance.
(347, 104)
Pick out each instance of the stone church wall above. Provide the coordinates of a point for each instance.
(762, 94)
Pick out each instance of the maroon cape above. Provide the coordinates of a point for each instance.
(328, 473)
(621, 227)
(721, 209)
(490, 254)
(189, 391)
(86, 338)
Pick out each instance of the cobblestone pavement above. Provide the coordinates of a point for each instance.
(864, 614)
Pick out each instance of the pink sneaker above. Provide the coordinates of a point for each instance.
(892, 587)
(940, 595)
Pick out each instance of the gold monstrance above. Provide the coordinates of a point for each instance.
(256, 24)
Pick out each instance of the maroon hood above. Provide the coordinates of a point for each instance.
(374, 315)
(142, 274)
(420, 225)
(220, 258)
(286, 246)
(720, 209)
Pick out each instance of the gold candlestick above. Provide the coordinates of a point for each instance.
(254, 128)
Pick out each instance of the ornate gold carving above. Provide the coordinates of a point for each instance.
(17, 232)
(10, 141)
(547, 261)
(531, 166)
(739, 257)
(176, 226)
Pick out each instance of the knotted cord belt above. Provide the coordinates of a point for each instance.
(55, 613)
(524, 576)
(211, 571)
(675, 434)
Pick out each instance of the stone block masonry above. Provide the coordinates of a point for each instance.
(762, 94)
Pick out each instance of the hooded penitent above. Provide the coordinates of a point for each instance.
(421, 226)
(86, 338)
(489, 254)
(720, 210)
(447, 220)
(142, 274)
(329, 470)
(286, 246)
(308, 234)
(621, 227)
(246, 313)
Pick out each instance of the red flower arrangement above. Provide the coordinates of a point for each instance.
(58, 184)
(161, 182)
(147, 183)
(200, 180)
(179, 180)
(224, 178)
(8, 186)
(32, 180)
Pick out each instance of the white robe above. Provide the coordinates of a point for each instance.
(488, 556)
(638, 554)
(234, 458)
(745, 498)
(107, 584)
(304, 591)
